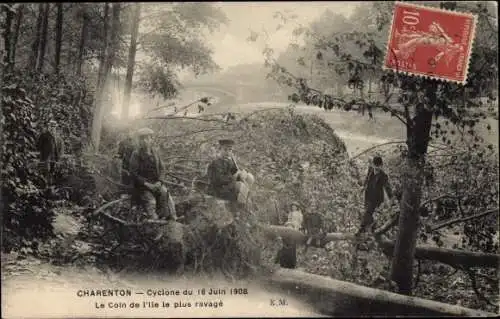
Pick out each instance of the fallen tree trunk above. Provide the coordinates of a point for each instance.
(297, 236)
(453, 257)
(339, 298)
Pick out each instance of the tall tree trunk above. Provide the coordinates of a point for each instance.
(36, 44)
(43, 38)
(7, 35)
(418, 136)
(115, 34)
(101, 84)
(15, 35)
(2, 120)
(131, 61)
(114, 45)
(104, 50)
(59, 25)
(83, 41)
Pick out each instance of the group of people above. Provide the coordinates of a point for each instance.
(143, 168)
(375, 184)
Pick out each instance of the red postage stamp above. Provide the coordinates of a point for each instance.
(430, 42)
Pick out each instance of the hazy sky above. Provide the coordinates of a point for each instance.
(230, 44)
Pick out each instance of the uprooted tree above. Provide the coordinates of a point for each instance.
(429, 110)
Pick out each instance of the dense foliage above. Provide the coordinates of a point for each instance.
(29, 102)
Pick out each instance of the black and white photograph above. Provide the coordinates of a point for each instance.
(249, 159)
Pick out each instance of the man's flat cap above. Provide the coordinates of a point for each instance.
(145, 131)
(226, 142)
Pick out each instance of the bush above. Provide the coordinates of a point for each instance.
(27, 103)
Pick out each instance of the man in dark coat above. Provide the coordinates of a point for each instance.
(221, 172)
(50, 146)
(146, 169)
(375, 183)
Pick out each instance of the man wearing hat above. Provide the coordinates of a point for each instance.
(221, 172)
(50, 146)
(146, 168)
(375, 183)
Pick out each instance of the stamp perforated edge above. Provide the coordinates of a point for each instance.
(424, 75)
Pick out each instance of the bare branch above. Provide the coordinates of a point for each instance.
(107, 205)
(182, 178)
(448, 195)
(376, 146)
(182, 108)
(128, 224)
(196, 132)
(464, 219)
(182, 118)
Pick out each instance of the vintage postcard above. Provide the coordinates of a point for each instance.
(249, 159)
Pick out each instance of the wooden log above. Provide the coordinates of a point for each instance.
(273, 231)
(453, 257)
(339, 298)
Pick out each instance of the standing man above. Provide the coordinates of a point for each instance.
(314, 229)
(50, 146)
(375, 183)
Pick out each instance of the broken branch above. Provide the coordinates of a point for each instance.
(461, 220)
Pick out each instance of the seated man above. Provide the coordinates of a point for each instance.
(226, 180)
(148, 192)
(221, 173)
(145, 168)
